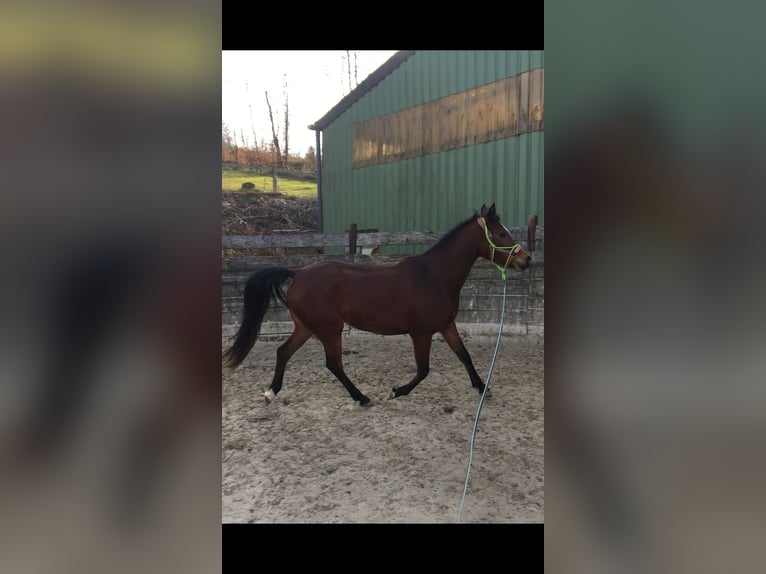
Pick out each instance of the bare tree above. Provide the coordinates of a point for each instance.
(244, 147)
(235, 146)
(274, 137)
(275, 140)
(225, 135)
(348, 68)
(252, 124)
(286, 157)
(227, 142)
(345, 71)
(309, 160)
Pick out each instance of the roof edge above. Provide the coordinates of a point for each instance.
(367, 84)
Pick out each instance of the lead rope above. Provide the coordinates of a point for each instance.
(481, 402)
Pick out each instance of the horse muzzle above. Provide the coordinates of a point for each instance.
(521, 266)
(528, 262)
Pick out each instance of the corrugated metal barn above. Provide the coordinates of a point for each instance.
(430, 136)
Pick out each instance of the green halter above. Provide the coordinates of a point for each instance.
(511, 250)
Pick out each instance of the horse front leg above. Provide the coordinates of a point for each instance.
(455, 343)
(422, 347)
(334, 362)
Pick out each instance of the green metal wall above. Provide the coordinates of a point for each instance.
(435, 191)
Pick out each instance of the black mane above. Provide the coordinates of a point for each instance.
(454, 231)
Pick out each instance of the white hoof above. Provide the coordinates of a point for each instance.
(269, 396)
(391, 395)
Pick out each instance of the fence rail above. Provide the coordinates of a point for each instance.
(351, 239)
(266, 170)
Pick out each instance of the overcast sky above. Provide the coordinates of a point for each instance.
(316, 81)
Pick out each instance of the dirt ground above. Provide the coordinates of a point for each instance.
(315, 456)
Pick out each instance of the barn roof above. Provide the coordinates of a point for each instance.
(370, 82)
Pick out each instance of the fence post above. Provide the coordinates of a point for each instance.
(531, 229)
(352, 241)
(275, 185)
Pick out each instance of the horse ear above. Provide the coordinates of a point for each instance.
(483, 211)
(491, 212)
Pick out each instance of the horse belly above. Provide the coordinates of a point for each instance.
(379, 328)
(375, 321)
(368, 307)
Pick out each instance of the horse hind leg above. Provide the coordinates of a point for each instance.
(333, 355)
(422, 346)
(295, 341)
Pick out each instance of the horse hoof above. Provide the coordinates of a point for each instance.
(269, 396)
(367, 403)
(391, 395)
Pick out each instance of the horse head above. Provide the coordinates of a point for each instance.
(497, 245)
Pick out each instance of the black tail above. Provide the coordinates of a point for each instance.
(261, 288)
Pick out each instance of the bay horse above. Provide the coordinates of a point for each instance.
(418, 296)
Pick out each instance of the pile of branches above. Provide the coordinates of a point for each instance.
(257, 213)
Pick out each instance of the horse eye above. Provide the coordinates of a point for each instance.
(502, 234)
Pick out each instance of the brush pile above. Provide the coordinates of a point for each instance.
(253, 213)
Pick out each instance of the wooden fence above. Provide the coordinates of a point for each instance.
(354, 240)
(266, 170)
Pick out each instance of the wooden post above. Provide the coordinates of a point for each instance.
(352, 240)
(531, 229)
(275, 185)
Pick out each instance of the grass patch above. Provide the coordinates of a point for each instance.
(232, 180)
